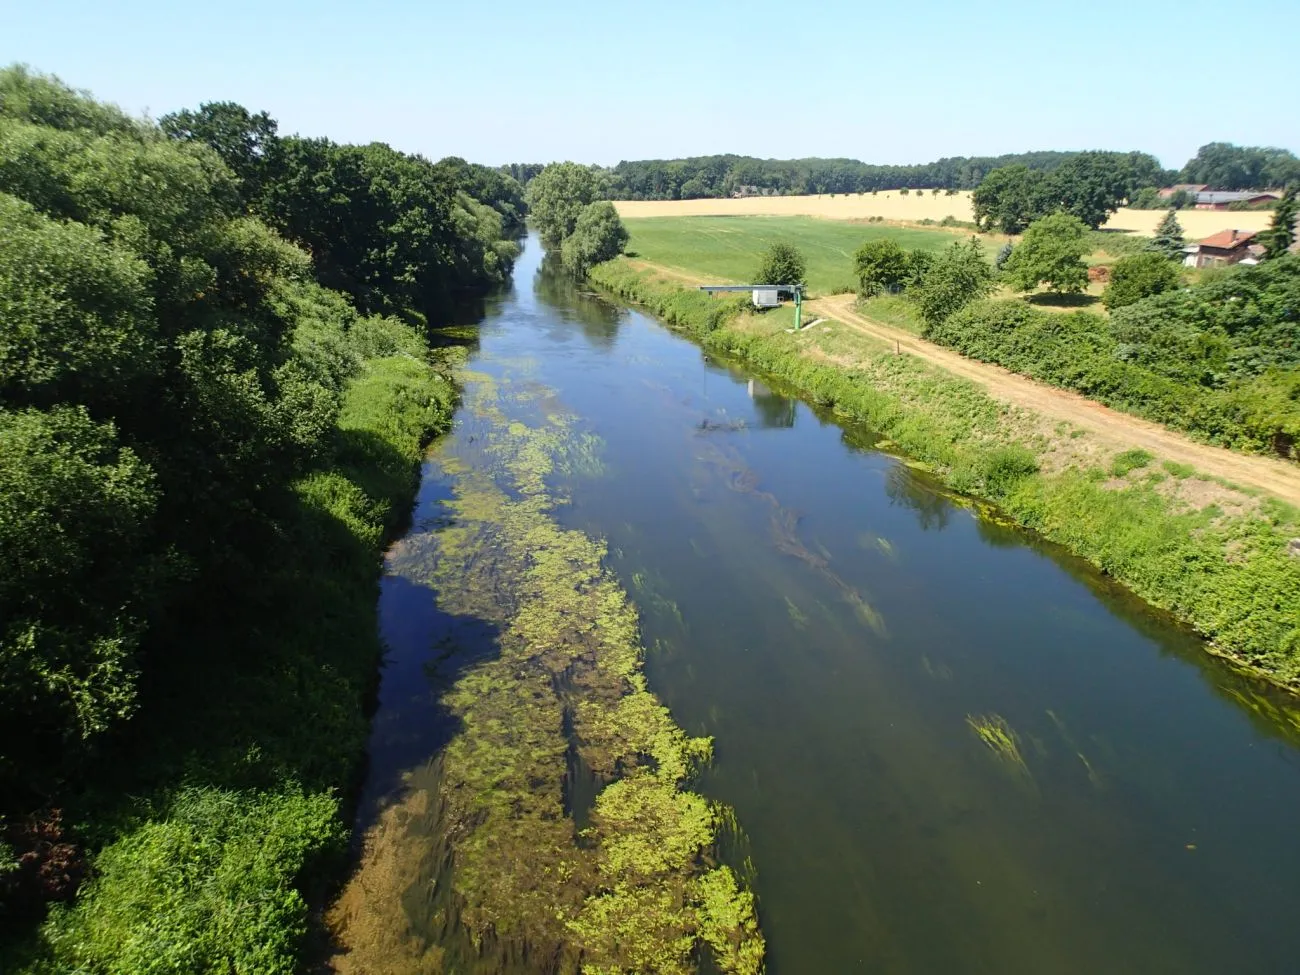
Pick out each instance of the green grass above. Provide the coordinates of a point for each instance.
(730, 248)
(1176, 558)
(893, 310)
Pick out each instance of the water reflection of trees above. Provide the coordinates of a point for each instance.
(771, 409)
(911, 488)
(597, 316)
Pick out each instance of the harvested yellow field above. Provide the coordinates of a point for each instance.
(892, 205)
(889, 204)
(1197, 224)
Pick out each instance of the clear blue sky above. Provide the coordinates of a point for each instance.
(503, 80)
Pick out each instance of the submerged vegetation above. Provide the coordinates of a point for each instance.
(632, 883)
(1224, 570)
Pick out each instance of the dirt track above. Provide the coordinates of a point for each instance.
(1110, 426)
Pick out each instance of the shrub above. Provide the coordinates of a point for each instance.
(1051, 253)
(881, 266)
(1139, 276)
(959, 275)
(1129, 460)
(782, 264)
(598, 235)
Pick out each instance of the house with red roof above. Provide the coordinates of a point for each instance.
(1225, 247)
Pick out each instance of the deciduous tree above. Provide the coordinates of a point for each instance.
(1139, 276)
(881, 265)
(782, 264)
(959, 275)
(557, 196)
(598, 235)
(1051, 252)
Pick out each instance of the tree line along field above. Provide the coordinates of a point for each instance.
(730, 248)
(918, 205)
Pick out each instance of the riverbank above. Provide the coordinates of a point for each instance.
(1213, 555)
(232, 824)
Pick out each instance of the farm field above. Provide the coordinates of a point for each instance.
(730, 248)
(891, 205)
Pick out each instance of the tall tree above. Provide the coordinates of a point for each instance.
(1090, 185)
(1281, 233)
(1051, 253)
(1010, 199)
(1169, 239)
(781, 264)
(599, 235)
(239, 137)
(557, 196)
(1229, 167)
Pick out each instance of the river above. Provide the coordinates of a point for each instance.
(952, 746)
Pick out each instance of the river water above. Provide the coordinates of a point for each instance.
(953, 747)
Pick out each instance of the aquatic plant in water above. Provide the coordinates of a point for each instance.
(994, 731)
(639, 887)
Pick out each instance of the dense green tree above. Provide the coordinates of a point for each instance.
(599, 235)
(959, 275)
(1169, 239)
(1090, 185)
(168, 369)
(782, 264)
(1148, 198)
(1139, 276)
(1233, 328)
(393, 231)
(919, 263)
(706, 176)
(1225, 166)
(1009, 199)
(242, 139)
(76, 512)
(1051, 252)
(881, 265)
(1281, 232)
(557, 196)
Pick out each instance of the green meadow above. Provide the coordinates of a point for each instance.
(729, 248)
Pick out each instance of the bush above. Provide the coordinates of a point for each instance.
(598, 235)
(782, 264)
(881, 266)
(1139, 276)
(1051, 253)
(959, 275)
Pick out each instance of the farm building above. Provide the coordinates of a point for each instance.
(1225, 247)
(1191, 188)
(1221, 199)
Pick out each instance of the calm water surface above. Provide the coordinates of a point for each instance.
(845, 630)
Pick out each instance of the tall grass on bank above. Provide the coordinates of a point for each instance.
(1228, 576)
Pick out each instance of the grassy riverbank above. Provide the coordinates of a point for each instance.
(232, 824)
(1212, 555)
(731, 248)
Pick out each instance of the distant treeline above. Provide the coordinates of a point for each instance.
(1220, 164)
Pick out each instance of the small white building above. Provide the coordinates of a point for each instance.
(766, 298)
